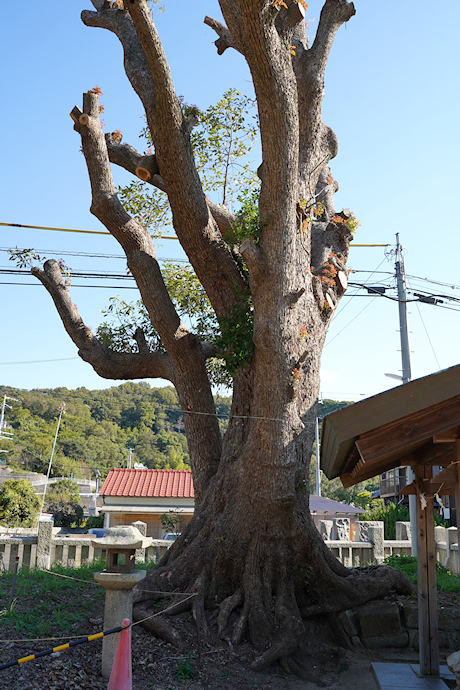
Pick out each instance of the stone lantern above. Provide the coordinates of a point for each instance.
(118, 578)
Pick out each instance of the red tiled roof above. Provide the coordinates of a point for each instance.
(149, 483)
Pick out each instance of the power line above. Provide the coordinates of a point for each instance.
(103, 287)
(39, 361)
(72, 274)
(91, 255)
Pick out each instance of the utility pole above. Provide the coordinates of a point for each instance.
(128, 463)
(318, 471)
(5, 434)
(406, 373)
(402, 303)
(61, 412)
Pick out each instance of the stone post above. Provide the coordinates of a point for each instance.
(452, 538)
(45, 535)
(142, 527)
(118, 606)
(403, 532)
(373, 531)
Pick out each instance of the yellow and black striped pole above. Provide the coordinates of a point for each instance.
(61, 647)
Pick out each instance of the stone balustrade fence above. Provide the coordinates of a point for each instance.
(46, 547)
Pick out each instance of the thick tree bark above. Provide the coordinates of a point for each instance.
(252, 549)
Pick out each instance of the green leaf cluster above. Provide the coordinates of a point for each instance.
(232, 335)
(221, 143)
(171, 521)
(147, 204)
(235, 338)
(247, 225)
(221, 140)
(65, 490)
(66, 513)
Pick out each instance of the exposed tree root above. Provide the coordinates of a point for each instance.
(226, 609)
(241, 624)
(264, 592)
(297, 668)
(162, 629)
(278, 652)
(339, 633)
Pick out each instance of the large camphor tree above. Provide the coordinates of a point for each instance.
(252, 550)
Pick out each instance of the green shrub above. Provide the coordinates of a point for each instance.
(391, 514)
(19, 504)
(407, 565)
(94, 521)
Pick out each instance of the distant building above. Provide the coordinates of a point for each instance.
(143, 494)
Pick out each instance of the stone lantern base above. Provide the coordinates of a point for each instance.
(118, 606)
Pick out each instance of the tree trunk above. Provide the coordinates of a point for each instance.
(251, 551)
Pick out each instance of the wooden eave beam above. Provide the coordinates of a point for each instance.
(397, 436)
(429, 454)
(449, 436)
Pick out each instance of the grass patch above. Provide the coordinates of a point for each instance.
(445, 580)
(46, 605)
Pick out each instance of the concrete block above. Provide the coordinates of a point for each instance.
(341, 529)
(410, 616)
(140, 553)
(377, 620)
(401, 640)
(45, 534)
(373, 531)
(325, 529)
(349, 622)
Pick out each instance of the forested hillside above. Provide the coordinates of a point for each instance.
(100, 426)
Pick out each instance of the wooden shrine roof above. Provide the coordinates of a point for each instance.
(415, 423)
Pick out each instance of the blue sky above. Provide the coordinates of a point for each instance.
(392, 98)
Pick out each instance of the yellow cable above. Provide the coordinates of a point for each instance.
(88, 232)
(100, 232)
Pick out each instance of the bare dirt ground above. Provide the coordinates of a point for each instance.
(159, 666)
(216, 666)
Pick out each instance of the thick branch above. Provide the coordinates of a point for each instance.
(289, 17)
(105, 361)
(183, 347)
(225, 39)
(128, 158)
(269, 60)
(135, 64)
(149, 74)
(317, 142)
(333, 15)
